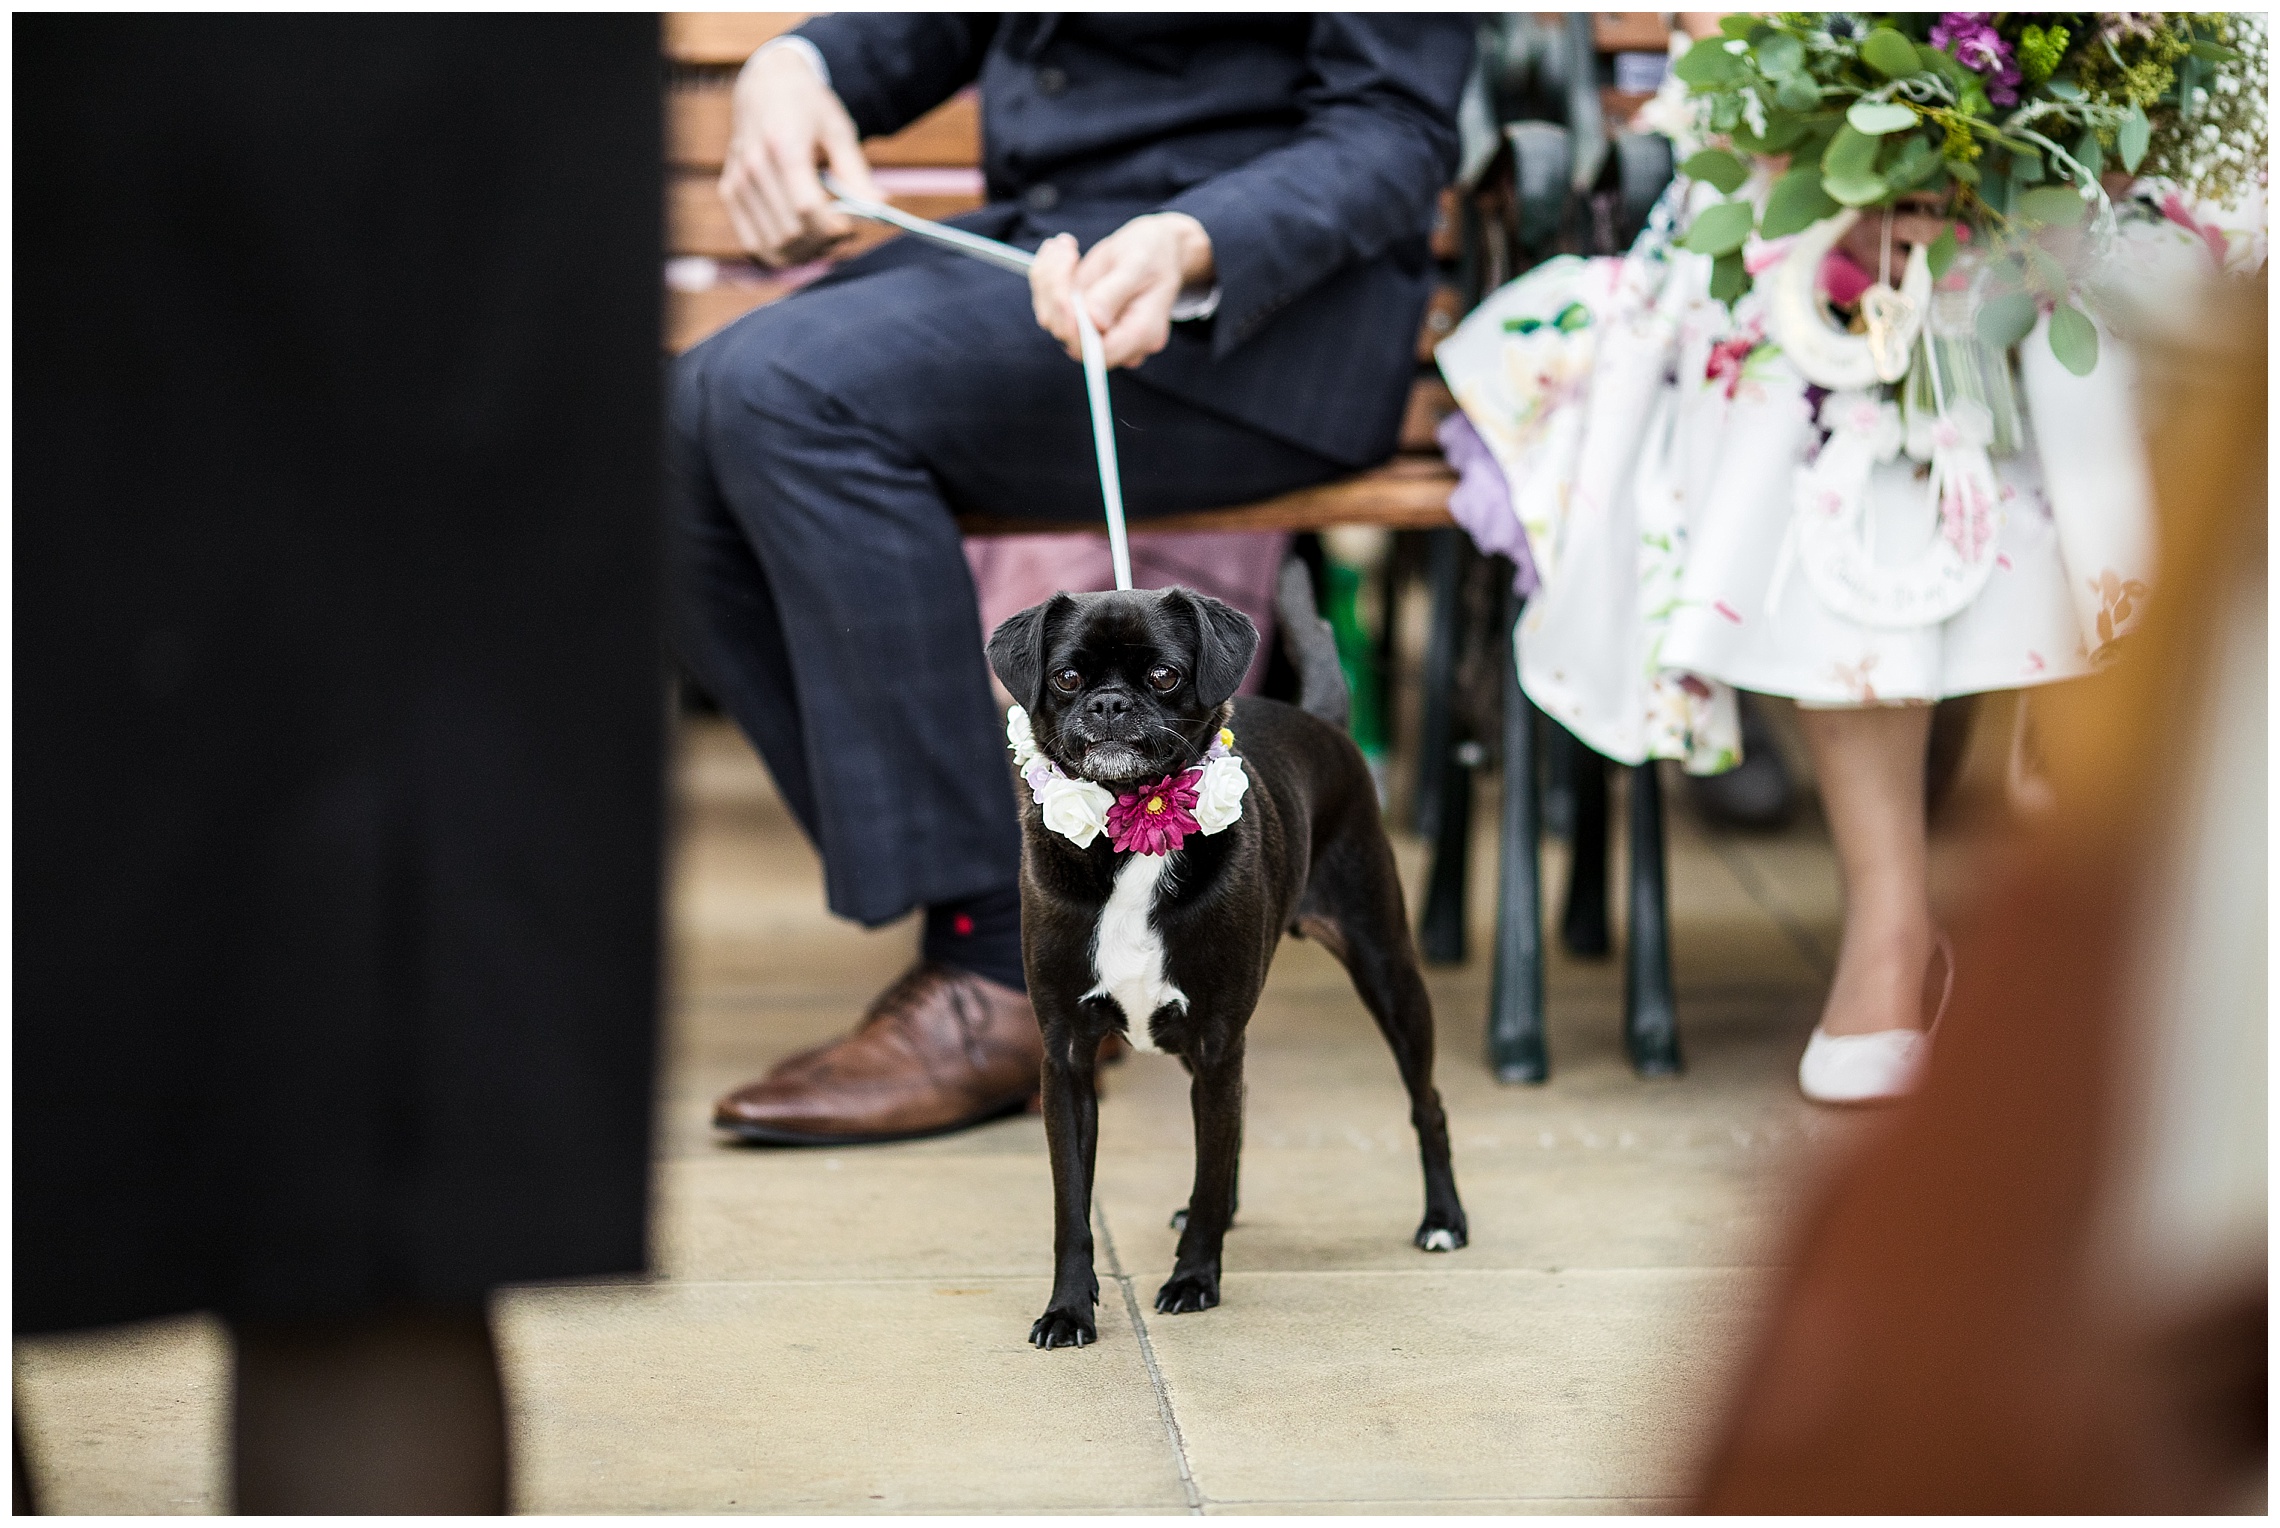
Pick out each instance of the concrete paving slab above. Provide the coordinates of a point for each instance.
(880, 1212)
(1568, 1206)
(1453, 1386)
(127, 1419)
(884, 1396)
(1539, 1506)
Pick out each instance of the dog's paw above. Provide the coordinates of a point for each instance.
(1440, 1234)
(1185, 1292)
(1062, 1329)
(1179, 1218)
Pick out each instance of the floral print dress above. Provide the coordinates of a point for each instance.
(1655, 454)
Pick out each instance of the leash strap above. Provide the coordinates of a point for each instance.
(1007, 257)
(1104, 445)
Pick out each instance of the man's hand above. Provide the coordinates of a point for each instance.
(782, 123)
(1127, 282)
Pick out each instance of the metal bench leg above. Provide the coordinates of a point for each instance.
(1584, 922)
(1650, 1006)
(1441, 931)
(1516, 987)
(1443, 574)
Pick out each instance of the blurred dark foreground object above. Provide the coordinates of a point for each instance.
(338, 705)
(2041, 1284)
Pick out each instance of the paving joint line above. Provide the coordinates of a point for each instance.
(1148, 1356)
(1800, 938)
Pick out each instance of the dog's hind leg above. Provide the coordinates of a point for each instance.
(1071, 1104)
(1216, 1096)
(1353, 909)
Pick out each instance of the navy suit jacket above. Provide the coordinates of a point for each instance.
(1311, 147)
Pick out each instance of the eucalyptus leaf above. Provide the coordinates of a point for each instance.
(1852, 153)
(1965, 171)
(1797, 92)
(2133, 137)
(1941, 254)
(1889, 54)
(1856, 190)
(1720, 229)
(1780, 54)
(2189, 72)
(2089, 155)
(1913, 165)
(2047, 273)
(2004, 321)
(1739, 25)
(1783, 133)
(2074, 339)
(1725, 112)
(2059, 206)
(1796, 203)
(1706, 65)
(2063, 89)
(1728, 278)
(1719, 168)
(1876, 118)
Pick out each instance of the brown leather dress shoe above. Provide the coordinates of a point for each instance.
(940, 1049)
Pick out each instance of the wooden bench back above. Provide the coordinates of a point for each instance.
(931, 168)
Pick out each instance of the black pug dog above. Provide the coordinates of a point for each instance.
(1128, 690)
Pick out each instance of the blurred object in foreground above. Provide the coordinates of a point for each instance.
(338, 715)
(2040, 1286)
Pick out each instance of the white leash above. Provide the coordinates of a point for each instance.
(1088, 342)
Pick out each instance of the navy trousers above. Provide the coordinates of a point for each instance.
(817, 451)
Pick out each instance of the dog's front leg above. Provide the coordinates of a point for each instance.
(1072, 1133)
(1216, 1096)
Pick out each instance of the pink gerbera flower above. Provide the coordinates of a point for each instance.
(1727, 358)
(1155, 820)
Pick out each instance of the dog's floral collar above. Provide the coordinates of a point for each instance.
(1154, 820)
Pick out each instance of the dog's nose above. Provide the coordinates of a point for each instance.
(1108, 706)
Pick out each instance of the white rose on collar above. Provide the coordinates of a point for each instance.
(1075, 809)
(1219, 794)
(1018, 738)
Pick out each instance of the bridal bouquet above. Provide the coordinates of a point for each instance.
(2003, 121)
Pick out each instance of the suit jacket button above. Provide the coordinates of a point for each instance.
(1043, 198)
(1052, 79)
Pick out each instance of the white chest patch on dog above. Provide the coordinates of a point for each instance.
(1128, 954)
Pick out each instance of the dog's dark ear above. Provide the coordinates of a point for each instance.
(1225, 640)
(1017, 651)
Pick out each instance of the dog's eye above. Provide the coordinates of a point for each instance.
(1163, 678)
(1067, 681)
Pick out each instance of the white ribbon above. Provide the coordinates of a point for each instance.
(1104, 442)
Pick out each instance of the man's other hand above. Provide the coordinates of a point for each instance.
(1128, 282)
(783, 122)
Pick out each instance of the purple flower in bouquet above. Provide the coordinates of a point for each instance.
(1971, 38)
(1156, 820)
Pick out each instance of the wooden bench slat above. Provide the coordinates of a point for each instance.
(1629, 31)
(696, 132)
(723, 37)
(1407, 493)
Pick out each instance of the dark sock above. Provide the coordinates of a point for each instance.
(979, 934)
